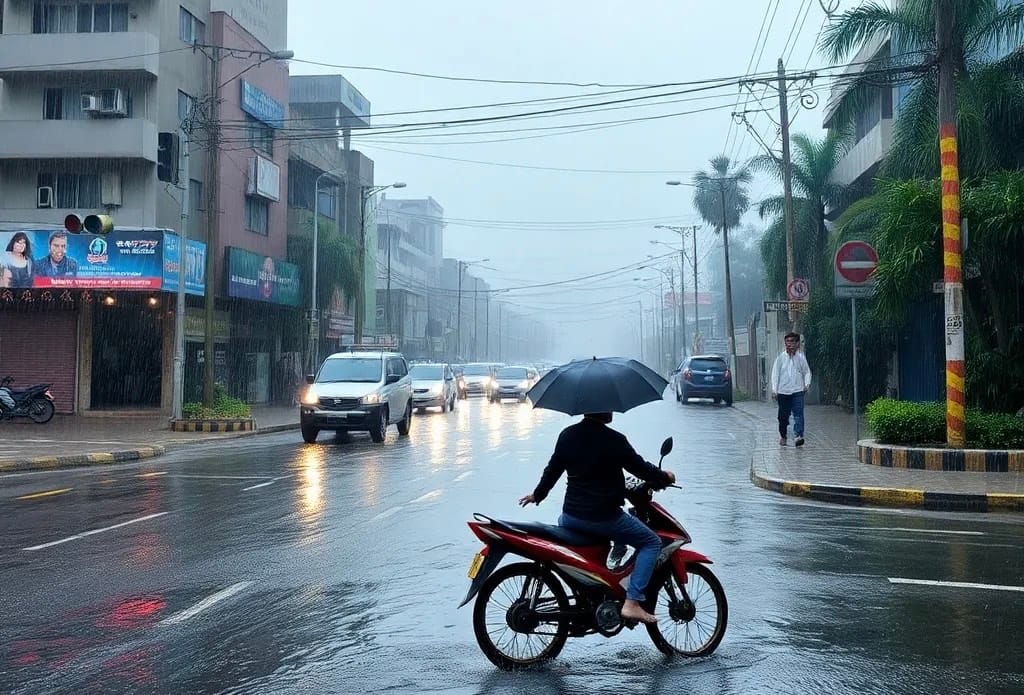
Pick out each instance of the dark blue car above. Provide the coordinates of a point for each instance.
(704, 376)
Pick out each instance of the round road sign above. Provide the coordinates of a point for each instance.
(855, 261)
(798, 290)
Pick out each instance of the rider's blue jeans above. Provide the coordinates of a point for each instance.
(627, 529)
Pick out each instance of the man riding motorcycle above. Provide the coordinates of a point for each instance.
(593, 456)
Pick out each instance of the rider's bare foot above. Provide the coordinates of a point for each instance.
(631, 610)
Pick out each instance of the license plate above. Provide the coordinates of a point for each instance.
(474, 566)
(709, 378)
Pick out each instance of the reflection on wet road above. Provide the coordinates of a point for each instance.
(267, 565)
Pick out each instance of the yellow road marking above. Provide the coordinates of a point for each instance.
(47, 493)
(151, 475)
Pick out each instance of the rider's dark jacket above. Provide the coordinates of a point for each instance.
(593, 456)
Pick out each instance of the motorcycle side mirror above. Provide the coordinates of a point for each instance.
(666, 447)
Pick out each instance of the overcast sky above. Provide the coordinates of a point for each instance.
(555, 225)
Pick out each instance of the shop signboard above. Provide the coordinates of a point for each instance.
(48, 258)
(195, 265)
(262, 278)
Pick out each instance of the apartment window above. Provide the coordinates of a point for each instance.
(65, 103)
(261, 136)
(257, 215)
(186, 104)
(81, 18)
(75, 191)
(190, 29)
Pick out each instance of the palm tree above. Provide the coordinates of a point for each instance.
(721, 199)
(813, 163)
(990, 100)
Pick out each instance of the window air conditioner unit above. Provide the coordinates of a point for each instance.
(112, 102)
(110, 189)
(90, 103)
(44, 197)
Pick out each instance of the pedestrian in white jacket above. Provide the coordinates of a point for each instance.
(791, 377)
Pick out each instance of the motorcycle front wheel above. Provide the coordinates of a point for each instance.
(691, 616)
(510, 633)
(41, 410)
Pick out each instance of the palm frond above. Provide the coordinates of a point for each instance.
(995, 29)
(771, 207)
(910, 24)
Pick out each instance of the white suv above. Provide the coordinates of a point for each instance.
(358, 391)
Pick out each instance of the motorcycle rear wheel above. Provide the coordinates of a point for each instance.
(502, 620)
(694, 630)
(41, 411)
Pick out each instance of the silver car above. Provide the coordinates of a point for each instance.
(433, 386)
(511, 382)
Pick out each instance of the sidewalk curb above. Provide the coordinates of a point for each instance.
(892, 497)
(99, 458)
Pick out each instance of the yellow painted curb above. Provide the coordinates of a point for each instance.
(897, 496)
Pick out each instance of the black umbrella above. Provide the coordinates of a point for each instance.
(609, 384)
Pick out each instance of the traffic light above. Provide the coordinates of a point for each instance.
(73, 224)
(167, 157)
(98, 224)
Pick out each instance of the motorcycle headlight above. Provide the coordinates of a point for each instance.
(311, 397)
(370, 399)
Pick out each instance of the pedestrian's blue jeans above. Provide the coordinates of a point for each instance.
(627, 529)
(791, 402)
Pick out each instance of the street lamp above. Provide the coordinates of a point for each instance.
(365, 193)
(728, 274)
(458, 320)
(314, 327)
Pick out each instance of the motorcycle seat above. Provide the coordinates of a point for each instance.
(558, 534)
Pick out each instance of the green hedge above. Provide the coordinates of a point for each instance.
(903, 422)
(224, 408)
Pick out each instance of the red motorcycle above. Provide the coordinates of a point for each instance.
(526, 611)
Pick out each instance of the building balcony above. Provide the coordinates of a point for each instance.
(107, 138)
(129, 51)
(865, 154)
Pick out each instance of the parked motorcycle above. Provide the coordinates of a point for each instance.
(34, 402)
(526, 611)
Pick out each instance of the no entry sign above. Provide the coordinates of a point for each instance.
(855, 262)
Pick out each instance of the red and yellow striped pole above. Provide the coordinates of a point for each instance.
(953, 282)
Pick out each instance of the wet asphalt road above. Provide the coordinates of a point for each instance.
(264, 565)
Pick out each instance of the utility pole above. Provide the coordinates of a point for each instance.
(728, 282)
(641, 305)
(948, 55)
(387, 303)
(696, 303)
(675, 317)
(179, 312)
(487, 329)
(361, 296)
(476, 320)
(787, 181)
(499, 331)
(212, 220)
(458, 319)
(681, 298)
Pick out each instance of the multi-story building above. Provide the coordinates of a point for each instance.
(327, 178)
(410, 238)
(94, 125)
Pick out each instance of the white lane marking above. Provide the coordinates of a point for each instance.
(433, 494)
(83, 534)
(956, 585)
(923, 530)
(198, 608)
(387, 512)
(220, 477)
(463, 476)
(259, 485)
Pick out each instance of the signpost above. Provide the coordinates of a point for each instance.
(855, 263)
(798, 290)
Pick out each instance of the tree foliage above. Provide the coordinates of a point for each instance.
(990, 95)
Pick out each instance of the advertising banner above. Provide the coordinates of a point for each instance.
(195, 265)
(128, 260)
(262, 278)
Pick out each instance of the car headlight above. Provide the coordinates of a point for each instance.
(311, 397)
(370, 399)
(524, 384)
(435, 390)
(462, 383)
